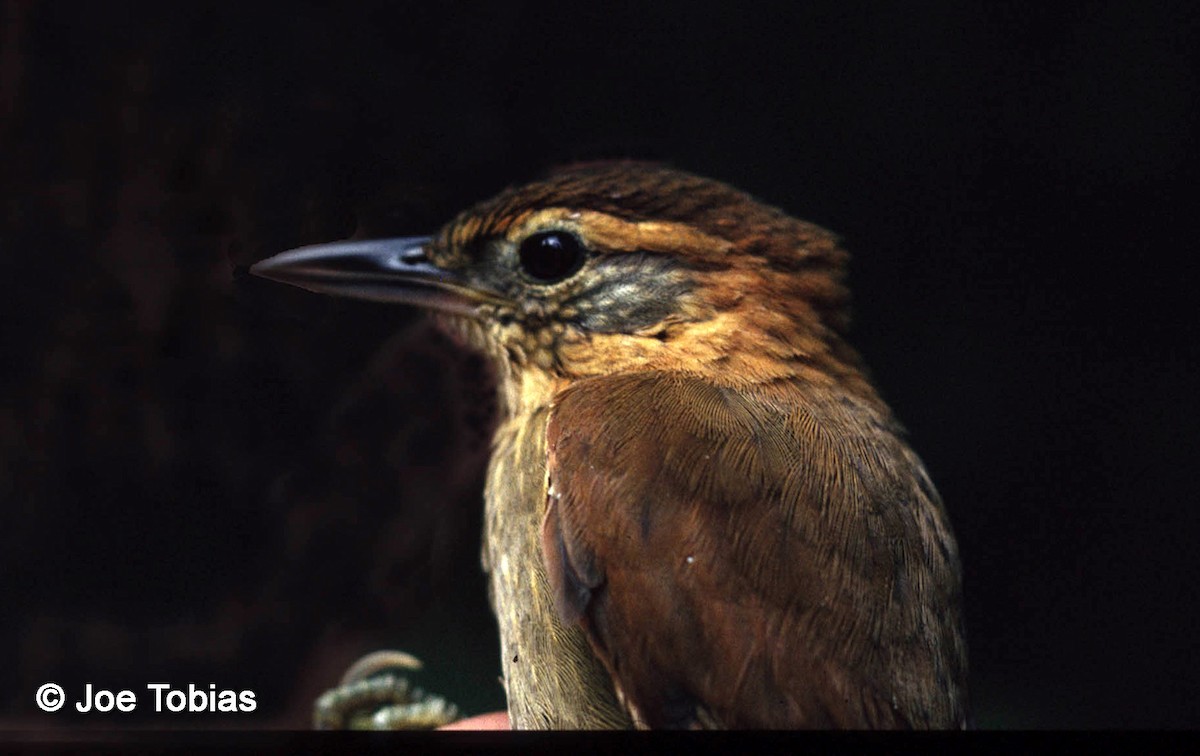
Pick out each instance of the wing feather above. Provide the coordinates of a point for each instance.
(766, 558)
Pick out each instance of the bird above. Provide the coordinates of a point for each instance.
(699, 512)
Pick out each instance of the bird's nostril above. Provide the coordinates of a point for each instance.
(412, 256)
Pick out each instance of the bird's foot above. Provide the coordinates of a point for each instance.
(372, 696)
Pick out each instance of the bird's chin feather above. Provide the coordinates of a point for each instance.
(467, 331)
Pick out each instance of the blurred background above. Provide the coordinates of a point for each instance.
(210, 478)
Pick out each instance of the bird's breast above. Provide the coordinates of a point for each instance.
(552, 678)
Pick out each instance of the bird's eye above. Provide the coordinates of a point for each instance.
(551, 256)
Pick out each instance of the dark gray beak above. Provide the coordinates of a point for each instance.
(382, 270)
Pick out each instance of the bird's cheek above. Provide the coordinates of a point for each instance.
(601, 354)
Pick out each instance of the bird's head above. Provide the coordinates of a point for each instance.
(614, 266)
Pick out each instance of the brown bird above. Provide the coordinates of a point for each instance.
(699, 512)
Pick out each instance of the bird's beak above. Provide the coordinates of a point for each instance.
(381, 270)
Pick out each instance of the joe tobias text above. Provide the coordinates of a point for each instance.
(194, 699)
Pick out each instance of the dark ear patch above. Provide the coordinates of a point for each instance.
(636, 291)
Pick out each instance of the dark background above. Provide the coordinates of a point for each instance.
(211, 478)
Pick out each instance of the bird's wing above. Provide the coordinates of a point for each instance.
(750, 559)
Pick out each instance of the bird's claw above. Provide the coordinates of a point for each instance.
(372, 696)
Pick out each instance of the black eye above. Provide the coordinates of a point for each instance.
(551, 256)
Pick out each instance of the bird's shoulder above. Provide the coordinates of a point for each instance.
(689, 521)
(637, 456)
